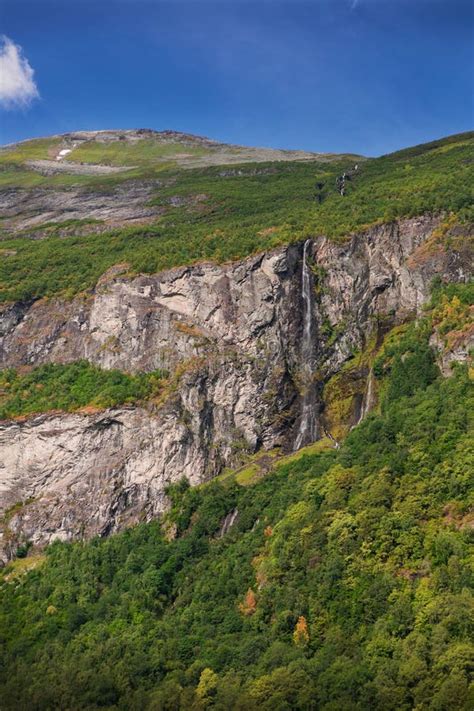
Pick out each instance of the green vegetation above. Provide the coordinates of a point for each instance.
(224, 214)
(36, 149)
(71, 387)
(13, 171)
(20, 566)
(17, 177)
(406, 355)
(345, 582)
(145, 152)
(346, 579)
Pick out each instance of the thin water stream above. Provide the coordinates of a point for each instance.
(307, 430)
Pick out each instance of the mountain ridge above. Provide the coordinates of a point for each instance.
(135, 134)
(94, 151)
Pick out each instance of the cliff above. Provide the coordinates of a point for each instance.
(232, 337)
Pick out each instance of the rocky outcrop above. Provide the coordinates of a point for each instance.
(382, 276)
(230, 336)
(156, 321)
(24, 209)
(255, 305)
(457, 348)
(93, 474)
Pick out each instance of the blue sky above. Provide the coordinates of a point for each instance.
(368, 76)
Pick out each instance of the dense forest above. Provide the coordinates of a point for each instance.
(344, 582)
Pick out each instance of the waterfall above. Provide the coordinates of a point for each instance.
(368, 397)
(228, 522)
(307, 427)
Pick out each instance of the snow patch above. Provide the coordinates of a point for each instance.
(63, 153)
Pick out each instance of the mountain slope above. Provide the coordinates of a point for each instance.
(137, 151)
(60, 237)
(237, 374)
(167, 322)
(343, 579)
(219, 370)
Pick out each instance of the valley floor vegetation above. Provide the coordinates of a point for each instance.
(344, 583)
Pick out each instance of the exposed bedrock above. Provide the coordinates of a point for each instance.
(30, 210)
(231, 335)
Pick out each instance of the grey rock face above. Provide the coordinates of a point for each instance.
(157, 321)
(233, 332)
(457, 352)
(27, 209)
(94, 473)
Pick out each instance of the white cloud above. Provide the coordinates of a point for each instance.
(17, 85)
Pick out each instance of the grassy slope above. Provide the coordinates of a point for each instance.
(36, 149)
(345, 582)
(147, 158)
(145, 152)
(253, 209)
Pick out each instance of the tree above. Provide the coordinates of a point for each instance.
(301, 634)
(249, 605)
(207, 686)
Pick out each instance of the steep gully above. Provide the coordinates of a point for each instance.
(250, 346)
